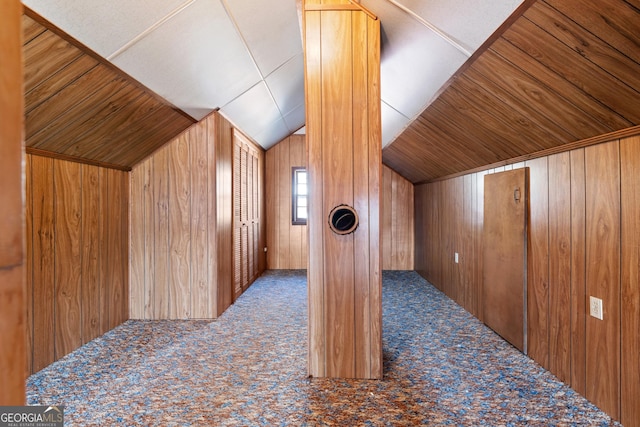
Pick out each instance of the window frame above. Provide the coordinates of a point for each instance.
(294, 195)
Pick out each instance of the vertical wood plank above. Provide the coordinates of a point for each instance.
(212, 216)
(361, 170)
(315, 272)
(271, 180)
(578, 271)
(479, 190)
(387, 218)
(161, 233)
(630, 291)
(466, 248)
(284, 248)
(92, 209)
(44, 262)
(179, 228)
(68, 257)
(602, 171)
(538, 263)
(297, 240)
(224, 213)
(105, 262)
(560, 266)
(124, 247)
(29, 237)
(148, 202)
(375, 185)
(337, 163)
(117, 255)
(199, 223)
(137, 233)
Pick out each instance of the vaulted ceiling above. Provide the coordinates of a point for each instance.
(464, 83)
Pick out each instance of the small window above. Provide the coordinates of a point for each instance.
(299, 196)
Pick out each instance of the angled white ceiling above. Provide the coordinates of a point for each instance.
(245, 56)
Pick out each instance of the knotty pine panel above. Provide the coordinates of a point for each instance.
(78, 251)
(602, 171)
(581, 214)
(630, 291)
(181, 222)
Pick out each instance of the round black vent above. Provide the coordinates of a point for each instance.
(343, 219)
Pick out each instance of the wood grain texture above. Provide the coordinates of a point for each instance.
(630, 277)
(28, 263)
(181, 213)
(13, 319)
(560, 266)
(538, 263)
(504, 244)
(602, 172)
(578, 271)
(315, 272)
(44, 234)
(92, 207)
(68, 259)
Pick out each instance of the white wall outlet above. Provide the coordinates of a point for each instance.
(455, 257)
(595, 307)
(265, 249)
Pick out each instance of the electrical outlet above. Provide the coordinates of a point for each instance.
(455, 257)
(595, 307)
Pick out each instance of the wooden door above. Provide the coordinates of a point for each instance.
(237, 219)
(504, 242)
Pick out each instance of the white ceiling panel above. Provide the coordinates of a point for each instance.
(270, 28)
(196, 60)
(105, 26)
(469, 22)
(274, 133)
(287, 84)
(295, 119)
(415, 61)
(393, 123)
(253, 111)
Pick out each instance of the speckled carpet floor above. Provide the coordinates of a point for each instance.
(248, 368)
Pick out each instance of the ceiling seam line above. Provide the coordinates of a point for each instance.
(432, 27)
(225, 5)
(149, 30)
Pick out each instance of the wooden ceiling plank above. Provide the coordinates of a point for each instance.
(164, 129)
(58, 81)
(556, 83)
(45, 55)
(121, 127)
(614, 21)
(67, 99)
(494, 143)
(586, 44)
(100, 111)
(30, 29)
(511, 127)
(545, 107)
(573, 67)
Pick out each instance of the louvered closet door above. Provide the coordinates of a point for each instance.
(237, 221)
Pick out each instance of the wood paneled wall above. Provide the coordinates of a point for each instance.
(181, 226)
(583, 241)
(77, 250)
(12, 269)
(286, 243)
(397, 221)
(342, 83)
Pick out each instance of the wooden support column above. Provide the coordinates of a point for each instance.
(13, 359)
(342, 82)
